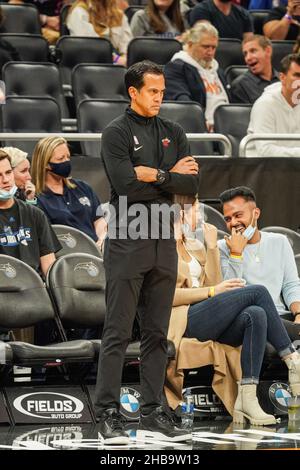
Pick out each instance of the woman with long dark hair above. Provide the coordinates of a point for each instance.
(159, 18)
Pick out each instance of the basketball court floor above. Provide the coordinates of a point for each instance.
(219, 434)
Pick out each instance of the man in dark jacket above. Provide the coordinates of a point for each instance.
(247, 88)
(194, 75)
(147, 160)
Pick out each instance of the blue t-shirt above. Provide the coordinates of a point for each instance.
(78, 207)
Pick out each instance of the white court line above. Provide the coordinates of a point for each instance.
(233, 437)
(288, 436)
(211, 441)
(99, 444)
(34, 445)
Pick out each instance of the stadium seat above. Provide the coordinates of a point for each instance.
(29, 114)
(6, 354)
(93, 116)
(24, 302)
(214, 217)
(293, 237)
(63, 28)
(280, 50)
(234, 71)
(191, 117)
(31, 47)
(233, 120)
(258, 18)
(93, 81)
(20, 19)
(35, 79)
(76, 283)
(229, 52)
(73, 50)
(131, 10)
(92, 171)
(74, 241)
(159, 50)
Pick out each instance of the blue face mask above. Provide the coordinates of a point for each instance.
(249, 232)
(61, 169)
(6, 195)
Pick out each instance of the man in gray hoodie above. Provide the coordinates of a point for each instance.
(194, 75)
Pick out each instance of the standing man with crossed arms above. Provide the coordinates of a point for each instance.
(147, 160)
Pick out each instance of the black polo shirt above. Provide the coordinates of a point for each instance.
(248, 87)
(277, 14)
(233, 25)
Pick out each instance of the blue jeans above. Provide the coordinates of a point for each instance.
(246, 317)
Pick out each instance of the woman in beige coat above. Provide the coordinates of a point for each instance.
(210, 319)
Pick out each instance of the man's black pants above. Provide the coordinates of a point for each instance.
(144, 270)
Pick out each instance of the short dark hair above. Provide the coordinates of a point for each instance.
(239, 191)
(288, 60)
(135, 74)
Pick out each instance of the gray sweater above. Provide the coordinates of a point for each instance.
(270, 263)
(140, 26)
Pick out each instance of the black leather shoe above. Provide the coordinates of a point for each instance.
(111, 427)
(160, 425)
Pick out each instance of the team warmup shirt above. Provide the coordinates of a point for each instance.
(26, 234)
(132, 140)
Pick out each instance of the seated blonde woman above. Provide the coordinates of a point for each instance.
(104, 19)
(210, 319)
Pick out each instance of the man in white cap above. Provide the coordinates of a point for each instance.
(21, 168)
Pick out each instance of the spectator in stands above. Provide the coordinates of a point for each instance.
(241, 315)
(260, 257)
(262, 4)
(7, 51)
(21, 167)
(159, 18)
(49, 11)
(194, 75)
(101, 18)
(278, 111)
(25, 231)
(65, 200)
(141, 265)
(283, 21)
(296, 48)
(258, 57)
(230, 20)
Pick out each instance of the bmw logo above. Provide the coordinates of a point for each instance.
(130, 403)
(279, 394)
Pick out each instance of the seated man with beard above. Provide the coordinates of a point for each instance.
(194, 75)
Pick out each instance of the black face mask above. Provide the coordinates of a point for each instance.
(61, 169)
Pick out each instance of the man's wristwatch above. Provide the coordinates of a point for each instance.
(161, 176)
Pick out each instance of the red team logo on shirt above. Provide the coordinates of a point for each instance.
(166, 142)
